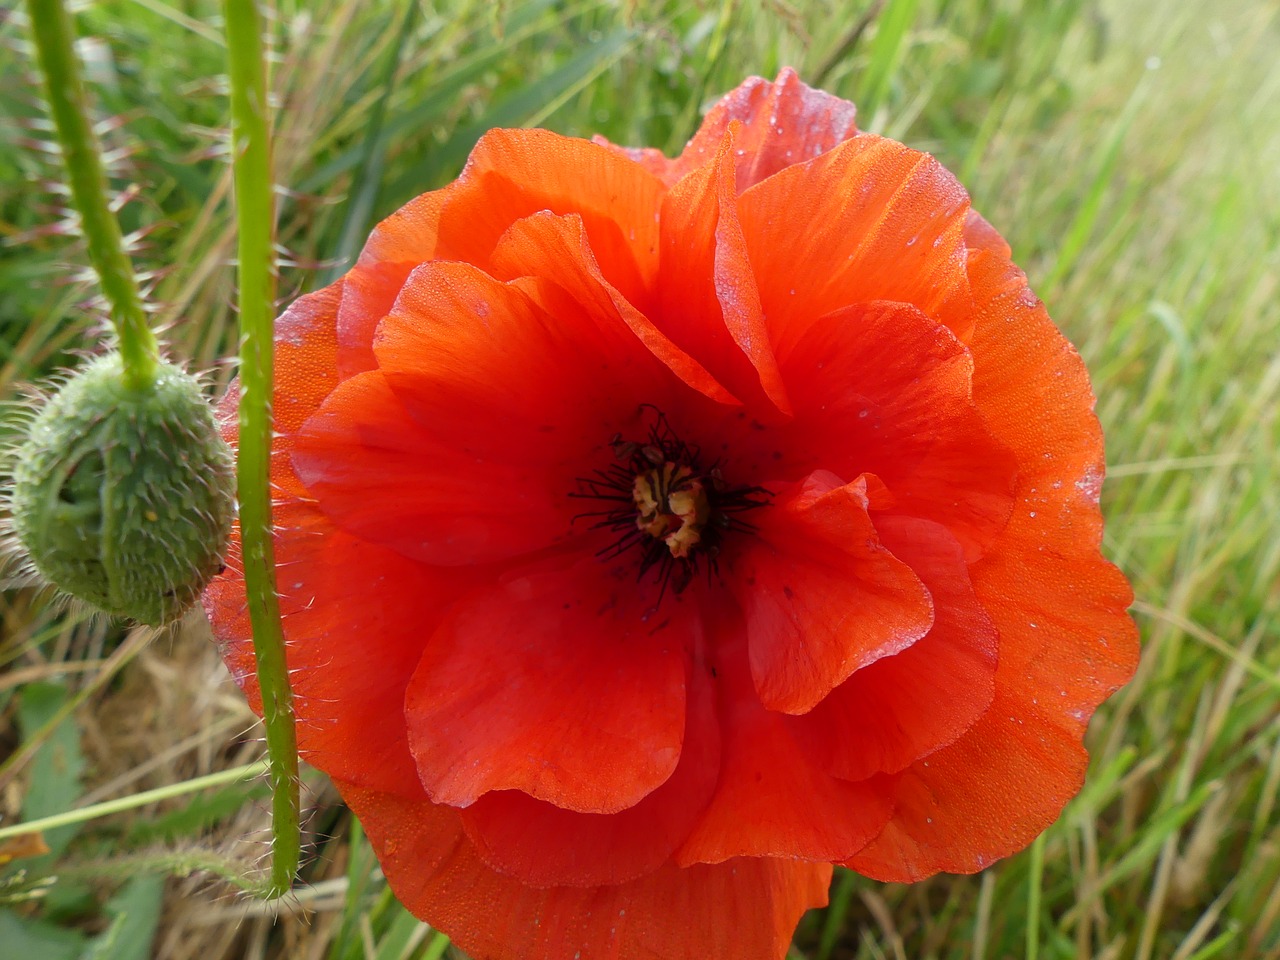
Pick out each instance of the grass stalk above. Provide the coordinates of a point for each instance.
(1035, 881)
(133, 801)
(255, 215)
(364, 196)
(54, 36)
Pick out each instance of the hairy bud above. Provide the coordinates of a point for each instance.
(125, 498)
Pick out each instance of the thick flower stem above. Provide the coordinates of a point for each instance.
(251, 150)
(52, 30)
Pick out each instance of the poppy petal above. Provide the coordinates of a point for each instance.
(773, 800)
(979, 235)
(383, 477)
(880, 388)
(555, 250)
(558, 681)
(513, 174)
(1058, 604)
(982, 798)
(1065, 640)
(398, 244)
(537, 388)
(305, 351)
(822, 597)
(896, 235)
(707, 300)
(545, 845)
(650, 159)
(745, 909)
(784, 122)
(509, 175)
(351, 718)
(903, 707)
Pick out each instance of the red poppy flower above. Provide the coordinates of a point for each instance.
(655, 534)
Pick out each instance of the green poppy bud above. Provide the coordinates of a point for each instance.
(125, 498)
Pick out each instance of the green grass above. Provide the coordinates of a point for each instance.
(1129, 151)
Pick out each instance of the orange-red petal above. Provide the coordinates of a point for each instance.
(880, 388)
(895, 234)
(746, 909)
(345, 603)
(773, 799)
(535, 387)
(550, 250)
(820, 594)
(1065, 639)
(903, 707)
(784, 122)
(545, 845)
(384, 478)
(513, 174)
(558, 681)
(398, 244)
(389, 458)
(706, 299)
(510, 174)
(982, 798)
(1058, 604)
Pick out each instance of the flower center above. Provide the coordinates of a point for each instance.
(672, 506)
(661, 501)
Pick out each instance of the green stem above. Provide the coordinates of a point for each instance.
(54, 35)
(251, 151)
(1035, 881)
(175, 863)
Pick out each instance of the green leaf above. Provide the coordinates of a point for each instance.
(135, 913)
(57, 766)
(197, 815)
(404, 933)
(36, 940)
(887, 48)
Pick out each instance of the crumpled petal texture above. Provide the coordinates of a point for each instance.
(890, 622)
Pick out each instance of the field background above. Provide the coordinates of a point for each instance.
(1130, 152)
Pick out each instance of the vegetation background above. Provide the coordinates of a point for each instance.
(1128, 149)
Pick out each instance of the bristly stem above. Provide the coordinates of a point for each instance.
(255, 214)
(53, 32)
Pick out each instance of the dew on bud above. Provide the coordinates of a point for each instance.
(124, 498)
